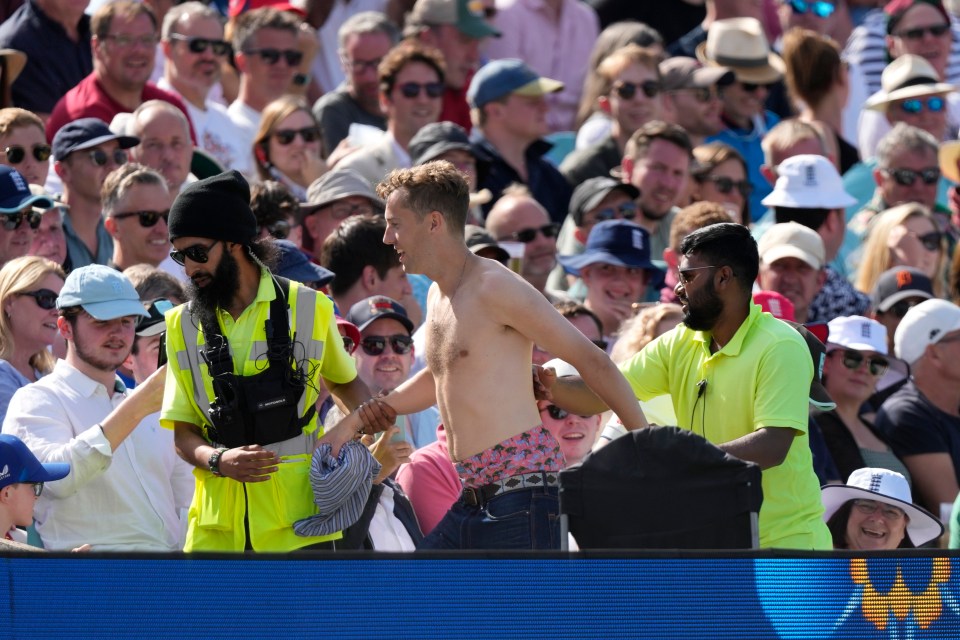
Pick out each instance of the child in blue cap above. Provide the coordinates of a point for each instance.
(21, 482)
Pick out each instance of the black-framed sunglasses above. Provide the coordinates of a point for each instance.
(918, 33)
(99, 157)
(412, 90)
(900, 309)
(751, 87)
(624, 210)
(557, 413)
(704, 95)
(375, 345)
(272, 56)
(348, 344)
(147, 218)
(627, 90)
(45, 298)
(932, 241)
(279, 229)
(528, 235)
(199, 45)
(32, 217)
(197, 252)
(16, 154)
(852, 360)
(602, 344)
(725, 185)
(307, 134)
(906, 177)
(683, 275)
(37, 487)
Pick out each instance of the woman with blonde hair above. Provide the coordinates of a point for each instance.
(29, 287)
(906, 235)
(288, 146)
(720, 175)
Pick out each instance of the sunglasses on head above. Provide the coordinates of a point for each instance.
(625, 210)
(853, 359)
(147, 218)
(375, 345)
(307, 134)
(933, 104)
(726, 185)
(528, 235)
(12, 221)
(627, 90)
(906, 177)
(818, 8)
(557, 413)
(99, 157)
(272, 56)
(199, 45)
(16, 154)
(198, 253)
(412, 89)
(918, 33)
(45, 298)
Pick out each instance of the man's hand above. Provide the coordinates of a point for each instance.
(389, 454)
(149, 393)
(543, 380)
(250, 463)
(376, 415)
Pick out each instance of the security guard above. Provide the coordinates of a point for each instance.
(247, 356)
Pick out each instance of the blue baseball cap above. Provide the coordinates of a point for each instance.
(15, 193)
(499, 78)
(86, 133)
(619, 242)
(103, 292)
(368, 310)
(295, 265)
(18, 464)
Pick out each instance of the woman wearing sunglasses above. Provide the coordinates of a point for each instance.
(856, 360)
(906, 235)
(23, 144)
(29, 287)
(720, 176)
(288, 147)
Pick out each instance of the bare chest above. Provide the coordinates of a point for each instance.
(446, 347)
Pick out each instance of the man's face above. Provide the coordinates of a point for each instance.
(612, 290)
(661, 176)
(540, 253)
(405, 232)
(271, 79)
(394, 285)
(100, 344)
(798, 281)
(698, 110)
(164, 146)
(15, 243)
(361, 54)
(891, 189)
(384, 372)
(212, 283)
(138, 243)
(742, 101)
(463, 161)
(810, 19)
(634, 111)
(892, 317)
(82, 175)
(616, 205)
(460, 52)
(927, 112)
(126, 54)
(144, 361)
(917, 22)
(23, 141)
(198, 71)
(407, 112)
(697, 294)
(523, 117)
(323, 221)
(50, 242)
(576, 434)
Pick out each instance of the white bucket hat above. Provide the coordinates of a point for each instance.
(740, 44)
(808, 181)
(908, 76)
(888, 487)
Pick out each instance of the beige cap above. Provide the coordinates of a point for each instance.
(792, 240)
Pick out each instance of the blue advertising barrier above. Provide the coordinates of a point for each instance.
(592, 595)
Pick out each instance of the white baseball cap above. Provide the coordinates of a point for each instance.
(792, 240)
(808, 181)
(923, 325)
(858, 333)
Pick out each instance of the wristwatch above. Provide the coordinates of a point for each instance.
(214, 462)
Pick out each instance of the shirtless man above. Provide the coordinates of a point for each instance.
(482, 322)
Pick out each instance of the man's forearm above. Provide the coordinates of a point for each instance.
(767, 447)
(573, 394)
(190, 445)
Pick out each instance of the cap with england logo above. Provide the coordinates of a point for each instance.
(15, 194)
(18, 464)
(617, 242)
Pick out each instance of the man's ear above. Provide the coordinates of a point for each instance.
(437, 222)
(626, 169)
(110, 224)
(603, 103)
(369, 277)
(671, 258)
(66, 329)
(768, 174)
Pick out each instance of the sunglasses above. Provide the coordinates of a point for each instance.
(683, 275)
(603, 344)
(853, 359)
(375, 345)
(200, 45)
(906, 177)
(627, 90)
(557, 413)
(307, 134)
(528, 235)
(626, 210)
(900, 308)
(272, 56)
(870, 507)
(37, 487)
(818, 8)
(279, 229)
(198, 253)
(348, 344)
(751, 87)
(359, 66)
(918, 33)
(45, 298)
(933, 104)
(147, 218)
(15, 153)
(726, 185)
(704, 95)
(12, 221)
(932, 241)
(99, 157)
(412, 89)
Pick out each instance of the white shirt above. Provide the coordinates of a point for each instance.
(386, 531)
(246, 119)
(122, 500)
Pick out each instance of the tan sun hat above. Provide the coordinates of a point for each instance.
(740, 44)
(908, 76)
(949, 156)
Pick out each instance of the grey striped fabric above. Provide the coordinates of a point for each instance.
(341, 486)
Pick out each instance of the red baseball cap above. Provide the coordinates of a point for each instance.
(242, 6)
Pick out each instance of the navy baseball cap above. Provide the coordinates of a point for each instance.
(18, 464)
(375, 307)
(499, 78)
(295, 265)
(619, 242)
(87, 133)
(15, 193)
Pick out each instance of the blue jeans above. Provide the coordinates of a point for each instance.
(521, 519)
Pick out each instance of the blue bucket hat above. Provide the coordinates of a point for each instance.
(18, 464)
(15, 194)
(619, 242)
(103, 292)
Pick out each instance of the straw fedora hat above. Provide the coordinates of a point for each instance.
(908, 76)
(949, 157)
(16, 60)
(740, 44)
